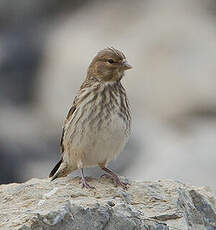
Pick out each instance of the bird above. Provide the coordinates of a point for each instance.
(98, 124)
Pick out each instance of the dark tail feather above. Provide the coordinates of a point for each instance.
(55, 168)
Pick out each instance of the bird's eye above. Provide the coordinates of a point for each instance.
(110, 61)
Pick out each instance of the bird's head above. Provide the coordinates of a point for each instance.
(108, 65)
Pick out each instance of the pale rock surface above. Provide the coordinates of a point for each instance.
(63, 204)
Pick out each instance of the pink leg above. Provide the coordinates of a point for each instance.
(115, 177)
(84, 182)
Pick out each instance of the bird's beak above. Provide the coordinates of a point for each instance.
(126, 66)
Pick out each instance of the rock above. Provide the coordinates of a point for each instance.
(63, 204)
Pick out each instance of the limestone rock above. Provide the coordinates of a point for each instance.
(40, 204)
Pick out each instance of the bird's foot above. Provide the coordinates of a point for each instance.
(116, 180)
(86, 185)
(84, 182)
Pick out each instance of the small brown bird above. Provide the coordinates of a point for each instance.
(97, 126)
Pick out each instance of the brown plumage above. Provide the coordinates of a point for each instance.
(97, 126)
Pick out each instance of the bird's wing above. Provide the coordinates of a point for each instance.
(72, 109)
(53, 173)
(87, 83)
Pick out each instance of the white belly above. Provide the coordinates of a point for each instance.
(99, 146)
(107, 143)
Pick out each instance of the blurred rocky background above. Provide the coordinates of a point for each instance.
(45, 49)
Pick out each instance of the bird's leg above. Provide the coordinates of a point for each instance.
(115, 177)
(84, 182)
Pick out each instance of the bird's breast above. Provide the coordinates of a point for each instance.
(100, 126)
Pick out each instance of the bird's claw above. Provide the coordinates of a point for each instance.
(116, 181)
(86, 185)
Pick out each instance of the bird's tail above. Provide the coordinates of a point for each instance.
(55, 168)
(60, 170)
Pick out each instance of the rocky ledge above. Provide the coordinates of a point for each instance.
(63, 204)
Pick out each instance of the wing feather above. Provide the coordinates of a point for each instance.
(70, 113)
